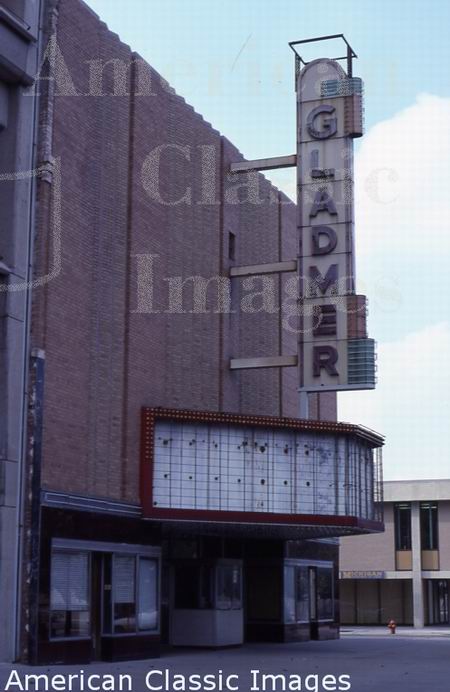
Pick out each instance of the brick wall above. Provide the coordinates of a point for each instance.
(107, 354)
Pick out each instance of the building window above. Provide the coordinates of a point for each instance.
(69, 594)
(429, 526)
(231, 246)
(402, 521)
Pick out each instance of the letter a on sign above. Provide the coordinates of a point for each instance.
(323, 202)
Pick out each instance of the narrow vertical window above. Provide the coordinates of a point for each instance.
(231, 246)
(429, 526)
(402, 521)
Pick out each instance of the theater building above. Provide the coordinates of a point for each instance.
(168, 498)
(403, 573)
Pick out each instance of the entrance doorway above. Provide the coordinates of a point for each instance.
(97, 587)
(438, 602)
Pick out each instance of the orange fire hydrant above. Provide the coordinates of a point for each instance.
(392, 625)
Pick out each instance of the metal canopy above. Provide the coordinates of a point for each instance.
(187, 529)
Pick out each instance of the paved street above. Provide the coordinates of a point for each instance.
(374, 664)
(353, 630)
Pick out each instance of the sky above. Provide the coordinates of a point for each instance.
(230, 59)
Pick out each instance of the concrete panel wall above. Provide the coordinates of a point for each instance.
(372, 552)
(367, 603)
(408, 615)
(18, 54)
(347, 601)
(393, 596)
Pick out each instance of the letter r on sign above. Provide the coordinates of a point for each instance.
(325, 357)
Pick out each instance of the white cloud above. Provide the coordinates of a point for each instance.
(402, 170)
(410, 405)
(402, 201)
(402, 173)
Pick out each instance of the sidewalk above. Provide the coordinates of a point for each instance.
(369, 664)
(374, 631)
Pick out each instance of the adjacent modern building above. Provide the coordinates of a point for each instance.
(19, 55)
(156, 488)
(403, 573)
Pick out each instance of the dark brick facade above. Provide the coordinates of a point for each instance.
(104, 358)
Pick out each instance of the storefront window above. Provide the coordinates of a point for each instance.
(69, 594)
(289, 594)
(324, 593)
(148, 594)
(302, 594)
(296, 594)
(429, 525)
(135, 594)
(125, 584)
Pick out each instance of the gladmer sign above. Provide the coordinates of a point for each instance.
(335, 352)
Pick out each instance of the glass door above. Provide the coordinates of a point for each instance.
(96, 606)
(314, 628)
(440, 605)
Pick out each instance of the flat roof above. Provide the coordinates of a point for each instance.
(411, 490)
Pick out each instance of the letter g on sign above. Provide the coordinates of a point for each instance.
(329, 125)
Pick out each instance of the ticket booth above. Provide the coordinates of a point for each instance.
(207, 605)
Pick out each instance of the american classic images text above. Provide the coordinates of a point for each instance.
(163, 680)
